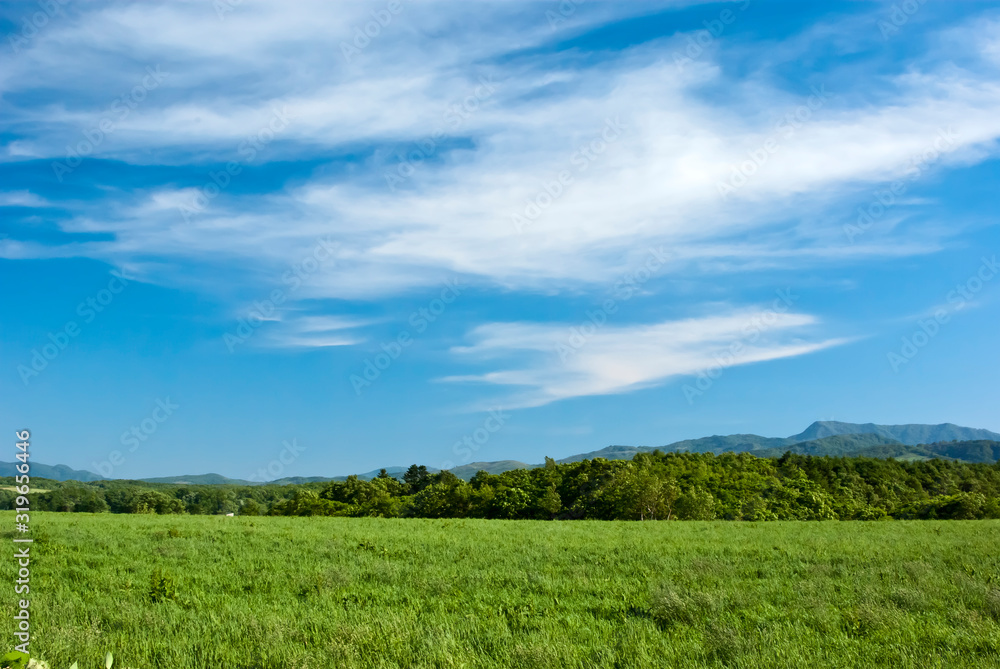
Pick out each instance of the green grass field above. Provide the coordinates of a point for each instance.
(190, 591)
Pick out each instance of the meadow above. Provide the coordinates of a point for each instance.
(298, 592)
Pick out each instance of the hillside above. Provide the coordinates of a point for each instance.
(608, 453)
(665, 486)
(468, 471)
(197, 479)
(54, 472)
(911, 435)
(907, 442)
(968, 451)
(733, 442)
(843, 444)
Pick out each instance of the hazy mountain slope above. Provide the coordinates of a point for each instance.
(981, 451)
(830, 438)
(912, 434)
(821, 438)
(896, 452)
(844, 444)
(296, 480)
(609, 453)
(969, 451)
(724, 443)
(199, 479)
(54, 472)
(468, 471)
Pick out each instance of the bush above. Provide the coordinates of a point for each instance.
(696, 504)
(161, 586)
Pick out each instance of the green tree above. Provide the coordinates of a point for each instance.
(417, 478)
(696, 504)
(549, 505)
(250, 508)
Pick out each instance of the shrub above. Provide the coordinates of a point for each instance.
(161, 586)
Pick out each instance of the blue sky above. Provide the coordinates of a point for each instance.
(227, 227)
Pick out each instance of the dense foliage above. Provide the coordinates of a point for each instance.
(652, 486)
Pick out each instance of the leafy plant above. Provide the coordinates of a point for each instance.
(161, 588)
(14, 660)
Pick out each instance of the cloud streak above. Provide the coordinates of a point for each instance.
(680, 133)
(657, 184)
(620, 359)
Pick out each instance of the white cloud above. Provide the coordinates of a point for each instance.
(294, 330)
(657, 183)
(683, 132)
(651, 186)
(555, 362)
(21, 198)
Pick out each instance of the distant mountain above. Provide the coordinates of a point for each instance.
(609, 453)
(219, 479)
(981, 451)
(199, 479)
(732, 442)
(898, 452)
(843, 444)
(911, 435)
(54, 472)
(764, 447)
(969, 451)
(296, 480)
(468, 471)
(904, 442)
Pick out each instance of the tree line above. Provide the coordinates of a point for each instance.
(651, 486)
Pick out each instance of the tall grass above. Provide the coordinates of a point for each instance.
(262, 593)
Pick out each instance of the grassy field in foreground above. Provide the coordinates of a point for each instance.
(243, 592)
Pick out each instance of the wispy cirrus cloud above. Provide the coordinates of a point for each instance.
(294, 330)
(683, 133)
(658, 183)
(542, 363)
(22, 198)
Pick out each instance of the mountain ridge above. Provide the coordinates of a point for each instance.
(910, 434)
(907, 441)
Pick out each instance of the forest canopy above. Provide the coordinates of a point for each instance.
(651, 486)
